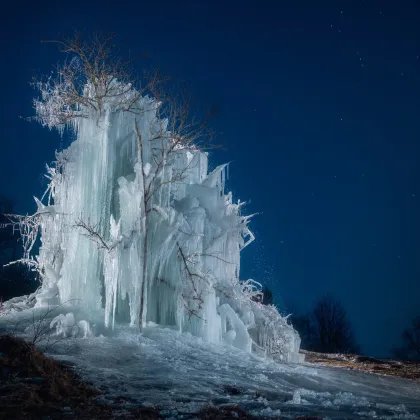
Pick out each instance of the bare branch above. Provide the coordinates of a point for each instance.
(91, 232)
(91, 78)
(28, 228)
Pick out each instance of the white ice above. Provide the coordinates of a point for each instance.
(165, 238)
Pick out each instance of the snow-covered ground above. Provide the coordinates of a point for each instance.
(180, 373)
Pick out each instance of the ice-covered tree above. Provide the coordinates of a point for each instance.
(132, 223)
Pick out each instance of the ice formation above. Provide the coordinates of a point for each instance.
(136, 226)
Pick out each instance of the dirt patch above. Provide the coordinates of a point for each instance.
(400, 369)
(223, 413)
(231, 412)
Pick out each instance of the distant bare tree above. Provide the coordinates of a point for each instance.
(410, 350)
(8, 241)
(265, 297)
(332, 329)
(15, 279)
(302, 323)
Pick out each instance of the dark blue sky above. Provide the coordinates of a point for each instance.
(319, 109)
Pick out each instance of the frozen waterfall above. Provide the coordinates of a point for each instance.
(134, 225)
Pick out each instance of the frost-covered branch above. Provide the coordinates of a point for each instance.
(92, 78)
(92, 233)
(26, 261)
(28, 227)
(176, 123)
(193, 301)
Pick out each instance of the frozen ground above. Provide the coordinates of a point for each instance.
(180, 373)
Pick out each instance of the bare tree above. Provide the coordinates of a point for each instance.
(15, 279)
(94, 75)
(91, 76)
(410, 350)
(332, 329)
(303, 324)
(8, 241)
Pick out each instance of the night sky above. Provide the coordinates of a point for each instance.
(319, 114)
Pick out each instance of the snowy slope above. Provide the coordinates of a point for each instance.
(180, 373)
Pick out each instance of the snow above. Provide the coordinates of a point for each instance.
(136, 228)
(65, 325)
(180, 373)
